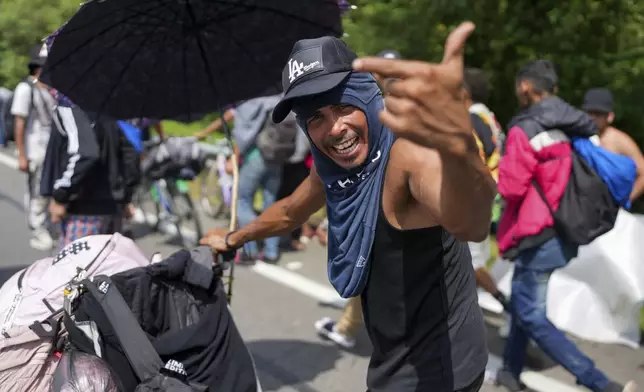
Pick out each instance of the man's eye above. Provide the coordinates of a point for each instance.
(313, 118)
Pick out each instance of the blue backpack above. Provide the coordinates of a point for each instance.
(617, 171)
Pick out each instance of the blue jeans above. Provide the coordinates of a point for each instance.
(256, 173)
(529, 294)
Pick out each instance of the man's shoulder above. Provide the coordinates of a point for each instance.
(616, 139)
(408, 156)
(22, 90)
(616, 132)
(21, 99)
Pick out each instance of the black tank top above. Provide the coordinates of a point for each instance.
(421, 312)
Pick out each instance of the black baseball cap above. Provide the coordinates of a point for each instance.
(598, 100)
(314, 66)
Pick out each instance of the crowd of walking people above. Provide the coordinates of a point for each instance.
(393, 166)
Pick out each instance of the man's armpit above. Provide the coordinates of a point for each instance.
(421, 168)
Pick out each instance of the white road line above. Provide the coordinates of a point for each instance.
(326, 294)
(306, 286)
(8, 160)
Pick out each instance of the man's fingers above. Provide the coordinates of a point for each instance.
(455, 44)
(400, 106)
(388, 68)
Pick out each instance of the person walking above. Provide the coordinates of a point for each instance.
(32, 109)
(538, 152)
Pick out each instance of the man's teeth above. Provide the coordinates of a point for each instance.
(345, 146)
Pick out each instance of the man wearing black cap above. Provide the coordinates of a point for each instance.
(537, 151)
(344, 330)
(405, 189)
(598, 103)
(32, 109)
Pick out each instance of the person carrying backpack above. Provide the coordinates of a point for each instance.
(264, 147)
(90, 172)
(535, 177)
(31, 111)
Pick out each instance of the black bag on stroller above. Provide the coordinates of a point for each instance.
(177, 157)
(164, 327)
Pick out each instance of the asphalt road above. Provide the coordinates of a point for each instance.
(275, 308)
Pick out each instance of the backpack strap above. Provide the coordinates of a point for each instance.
(143, 358)
(537, 187)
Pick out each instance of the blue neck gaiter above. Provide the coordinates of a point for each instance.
(353, 196)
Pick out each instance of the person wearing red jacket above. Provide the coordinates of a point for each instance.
(538, 150)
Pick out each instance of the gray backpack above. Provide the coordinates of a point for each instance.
(276, 142)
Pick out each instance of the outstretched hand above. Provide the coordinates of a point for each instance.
(426, 104)
(216, 239)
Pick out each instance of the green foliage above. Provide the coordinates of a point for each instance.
(23, 24)
(594, 43)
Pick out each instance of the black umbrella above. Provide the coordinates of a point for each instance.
(171, 58)
(177, 58)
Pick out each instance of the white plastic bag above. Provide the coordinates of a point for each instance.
(80, 372)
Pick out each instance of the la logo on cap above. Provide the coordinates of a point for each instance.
(297, 69)
(305, 61)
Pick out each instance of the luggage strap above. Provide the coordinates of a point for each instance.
(143, 358)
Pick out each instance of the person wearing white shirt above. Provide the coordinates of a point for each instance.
(32, 109)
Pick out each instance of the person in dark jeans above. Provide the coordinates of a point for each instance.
(538, 152)
(293, 173)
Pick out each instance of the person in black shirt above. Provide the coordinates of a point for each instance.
(405, 189)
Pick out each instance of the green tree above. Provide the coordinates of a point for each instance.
(593, 42)
(23, 24)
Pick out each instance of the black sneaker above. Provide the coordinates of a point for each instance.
(506, 379)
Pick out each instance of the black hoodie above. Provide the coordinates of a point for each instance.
(554, 113)
(89, 166)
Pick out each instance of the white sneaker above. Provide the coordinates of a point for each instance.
(630, 387)
(326, 328)
(41, 241)
(156, 258)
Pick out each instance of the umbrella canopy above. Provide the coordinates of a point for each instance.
(171, 58)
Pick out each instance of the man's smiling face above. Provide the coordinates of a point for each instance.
(341, 133)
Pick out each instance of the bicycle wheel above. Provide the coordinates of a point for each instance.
(188, 222)
(146, 200)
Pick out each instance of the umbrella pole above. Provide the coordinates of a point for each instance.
(233, 207)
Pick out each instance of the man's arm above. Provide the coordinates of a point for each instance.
(20, 110)
(216, 125)
(628, 147)
(457, 190)
(159, 130)
(82, 149)
(284, 215)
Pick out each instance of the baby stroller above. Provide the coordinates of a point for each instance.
(164, 327)
(100, 317)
